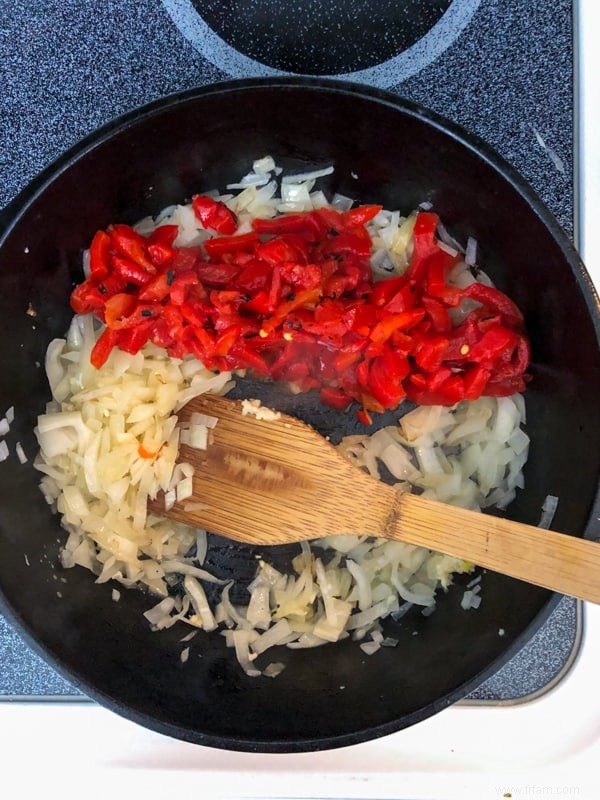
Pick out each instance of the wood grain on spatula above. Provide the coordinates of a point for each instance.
(278, 481)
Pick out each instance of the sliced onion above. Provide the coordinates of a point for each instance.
(548, 511)
(307, 176)
(264, 165)
(241, 642)
(274, 636)
(199, 602)
(161, 610)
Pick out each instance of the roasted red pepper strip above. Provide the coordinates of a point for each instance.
(430, 353)
(160, 253)
(347, 242)
(100, 255)
(495, 300)
(214, 214)
(310, 225)
(217, 275)
(335, 398)
(304, 298)
(475, 380)
(260, 304)
(360, 215)
(103, 347)
(494, 342)
(225, 245)
(158, 288)
(396, 322)
(133, 339)
(131, 272)
(385, 378)
(88, 298)
(224, 220)
(181, 283)
(276, 251)
(424, 245)
(438, 314)
(164, 235)
(385, 291)
(450, 392)
(118, 308)
(129, 244)
(436, 285)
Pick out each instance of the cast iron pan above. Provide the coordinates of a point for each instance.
(402, 155)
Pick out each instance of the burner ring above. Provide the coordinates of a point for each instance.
(395, 68)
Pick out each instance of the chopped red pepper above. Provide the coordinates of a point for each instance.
(304, 298)
(158, 288)
(103, 347)
(436, 285)
(360, 215)
(160, 253)
(475, 380)
(424, 245)
(310, 225)
(130, 271)
(88, 298)
(226, 245)
(430, 353)
(294, 300)
(214, 214)
(496, 301)
(438, 314)
(218, 275)
(135, 337)
(164, 235)
(492, 344)
(129, 244)
(99, 255)
(364, 416)
(396, 322)
(118, 308)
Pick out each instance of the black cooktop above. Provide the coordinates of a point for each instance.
(501, 68)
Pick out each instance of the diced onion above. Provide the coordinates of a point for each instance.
(307, 176)
(548, 511)
(264, 165)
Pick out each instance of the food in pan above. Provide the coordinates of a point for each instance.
(365, 306)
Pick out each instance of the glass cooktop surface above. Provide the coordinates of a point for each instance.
(501, 68)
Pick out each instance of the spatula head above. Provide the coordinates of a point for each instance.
(272, 481)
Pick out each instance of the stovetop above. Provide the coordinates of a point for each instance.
(490, 65)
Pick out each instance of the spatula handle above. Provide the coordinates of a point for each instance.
(565, 564)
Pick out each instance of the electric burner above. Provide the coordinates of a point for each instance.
(375, 41)
(319, 36)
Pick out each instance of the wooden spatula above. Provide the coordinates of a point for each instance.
(279, 481)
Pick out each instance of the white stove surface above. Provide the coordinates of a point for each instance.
(548, 747)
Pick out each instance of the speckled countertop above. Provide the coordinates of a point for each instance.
(501, 68)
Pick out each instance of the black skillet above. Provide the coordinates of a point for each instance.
(384, 150)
